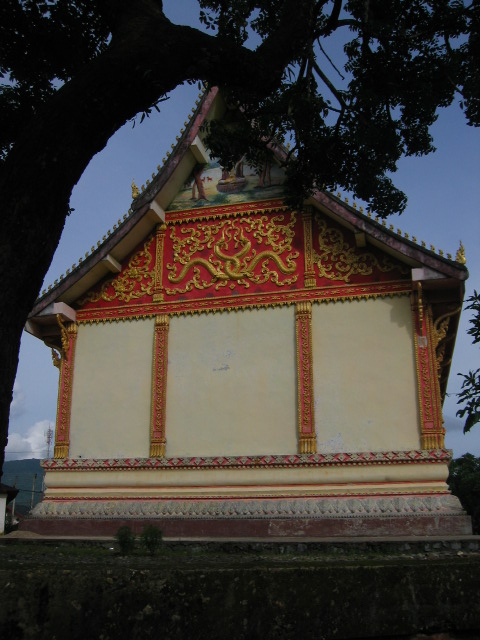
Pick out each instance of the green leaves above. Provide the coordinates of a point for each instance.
(352, 119)
(474, 305)
(354, 85)
(464, 482)
(469, 395)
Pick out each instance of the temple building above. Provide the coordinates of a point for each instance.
(229, 366)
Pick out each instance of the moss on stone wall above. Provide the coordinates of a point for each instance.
(248, 596)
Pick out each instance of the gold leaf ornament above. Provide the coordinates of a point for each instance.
(135, 282)
(233, 251)
(337, 260)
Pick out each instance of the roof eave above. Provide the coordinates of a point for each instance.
(146, 214)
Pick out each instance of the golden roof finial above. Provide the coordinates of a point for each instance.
(460, 257)
(135, 191)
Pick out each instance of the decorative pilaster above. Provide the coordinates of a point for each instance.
(65, 388)
(309, 277)
(431, 421)
(307, 441)
(434, 338)
(159, 246)
(159, 387)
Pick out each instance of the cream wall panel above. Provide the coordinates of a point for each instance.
(364, 376)
(231, 386)
(112, 390)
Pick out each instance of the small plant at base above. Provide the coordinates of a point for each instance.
(125, 539)
(151, 538)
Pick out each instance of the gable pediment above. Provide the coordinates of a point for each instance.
(239, 256)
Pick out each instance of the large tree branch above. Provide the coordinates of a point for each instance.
(333, 18)
(148, 56)
(330, 85)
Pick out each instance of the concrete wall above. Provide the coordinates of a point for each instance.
(334, 594)
(231, 386)
(364, 376)
(112, 390)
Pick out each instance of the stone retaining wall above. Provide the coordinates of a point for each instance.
(247, 593)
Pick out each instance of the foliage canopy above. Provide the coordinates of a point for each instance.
(469, 395)
(464, 482)
(349, 117)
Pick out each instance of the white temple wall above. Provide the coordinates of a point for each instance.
(364, 376)
(231, 386)
(232, 383)
(112, 388)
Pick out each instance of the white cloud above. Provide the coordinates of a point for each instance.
(452, 423)
(17, 406)
(461, 442)
(31, 445)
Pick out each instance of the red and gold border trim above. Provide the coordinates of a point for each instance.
(159, 387)
(416, 456)
(238, 302)
(309, 276)
(62, 430)
(438, 439)
(307, 442)
(211, 213)
(159, 248)
(431, 421)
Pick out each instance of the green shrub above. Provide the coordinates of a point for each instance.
(464, 482)
(126, 540)
(151, 539)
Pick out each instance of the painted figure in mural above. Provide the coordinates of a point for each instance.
(265, 176)
(198, 184)
(239, 169)
(232, 181)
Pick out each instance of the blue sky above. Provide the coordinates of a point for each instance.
(443, 192)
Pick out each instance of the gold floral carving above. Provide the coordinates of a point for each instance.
(420, 304)
(337, 260)
(56, 358)
(159, 387)
(426, 384)
(159, 247)
(431, 421)
(136, 281)
(309, 277)
(223, 251)
(306, 426)
(433, 432)
(440, 340)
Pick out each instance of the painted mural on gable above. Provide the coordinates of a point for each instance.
(211, 185)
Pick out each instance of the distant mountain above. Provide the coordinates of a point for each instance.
(21, 474)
